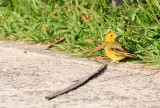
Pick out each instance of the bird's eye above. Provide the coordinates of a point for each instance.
(111, 35)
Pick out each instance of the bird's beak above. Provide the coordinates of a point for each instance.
(117, 35)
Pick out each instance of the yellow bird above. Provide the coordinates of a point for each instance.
(115, 50)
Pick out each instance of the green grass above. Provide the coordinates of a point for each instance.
(138, 25)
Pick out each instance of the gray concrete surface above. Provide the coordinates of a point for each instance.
(29, 72)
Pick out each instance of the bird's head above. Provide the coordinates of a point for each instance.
(110, 37)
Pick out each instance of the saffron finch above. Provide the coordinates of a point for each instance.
(115, 50)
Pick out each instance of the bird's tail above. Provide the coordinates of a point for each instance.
(131, 55)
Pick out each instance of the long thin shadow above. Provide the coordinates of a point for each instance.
(80, 82)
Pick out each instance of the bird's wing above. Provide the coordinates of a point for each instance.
(118, 49)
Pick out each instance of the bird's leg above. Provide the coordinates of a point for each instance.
(114, 62)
